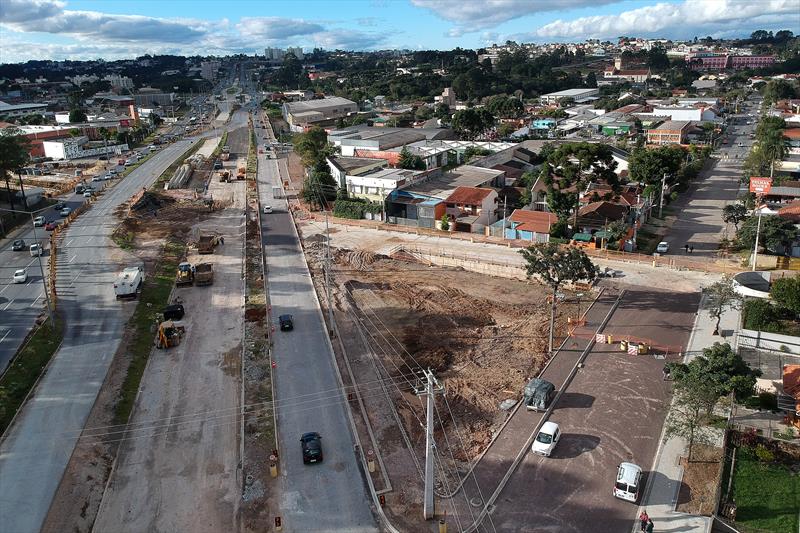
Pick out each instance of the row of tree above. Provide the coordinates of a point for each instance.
(770, 146)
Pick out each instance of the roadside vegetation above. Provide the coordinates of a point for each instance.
(154, 296)
(26, 367)
(780, 313)
(170, 171)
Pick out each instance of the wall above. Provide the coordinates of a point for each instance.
(767, 341)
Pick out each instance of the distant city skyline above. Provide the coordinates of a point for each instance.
(112, 29)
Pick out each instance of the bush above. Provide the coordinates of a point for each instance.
(764, 454)
(761, 315)
(355, 208)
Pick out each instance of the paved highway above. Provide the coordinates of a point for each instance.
(330, 496)
(38, 446)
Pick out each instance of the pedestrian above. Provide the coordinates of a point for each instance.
(649, 528)
(686, 247)
(691, 249)
(643, 519)
(665, 371)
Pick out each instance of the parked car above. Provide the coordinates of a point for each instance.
(312, 447)
(36, 249)
(174, 312)
(59, 206)
(39, 221)
(65, 212)
(267, 209)
(50, 226)
(18, 245)
(663, 247)
(21, 276)
(286, 322)
(88, 193)
(538, 394)
(546, 439)
(99, 178)
(629, 479)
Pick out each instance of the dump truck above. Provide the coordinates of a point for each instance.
(225, 156)
(185, 275)
(224, 176)
(129, 282)
(206, 244)
(169, 334)
(204, 274)
(240, 174)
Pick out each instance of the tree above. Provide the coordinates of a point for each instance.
(445, 223)
(312, 146)
(443, 113)
(775, 231)
(721, 296)
(554, 266)
(776, 90)
(472, 123)
(13, 155)
(734, 214)
(77, 115)
(319, 187)
(410, 161)
(687, 418)
(719, 372)
(786, 293)
(591, 79)
(649, 167)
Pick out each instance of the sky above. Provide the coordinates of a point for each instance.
(113, 29)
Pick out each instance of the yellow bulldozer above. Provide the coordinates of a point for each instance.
(169, 334)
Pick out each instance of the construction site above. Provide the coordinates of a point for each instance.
(483, 337)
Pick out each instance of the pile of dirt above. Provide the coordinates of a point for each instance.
(148, 202)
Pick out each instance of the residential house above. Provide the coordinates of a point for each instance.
(526, 225)
(598, 215)
(789, 399)
(471, 208)
(376, 184)
(342, 166)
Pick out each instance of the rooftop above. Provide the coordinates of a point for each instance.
(349, 164)
(534, 221)
(674, 125)
(316, 105)
(443, 185)
(468, 195)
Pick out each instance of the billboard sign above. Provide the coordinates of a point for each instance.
(760, 185)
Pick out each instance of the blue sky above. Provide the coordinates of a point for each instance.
(82, 29)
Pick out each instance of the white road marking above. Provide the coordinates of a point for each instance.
(8, 305)
(73, 258)
(6, 335)
(37, 299)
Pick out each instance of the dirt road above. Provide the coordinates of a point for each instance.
(178, 469)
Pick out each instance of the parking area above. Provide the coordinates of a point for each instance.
(613, 411)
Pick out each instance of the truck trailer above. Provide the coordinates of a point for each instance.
(206, 244)
(129, 282)
(203, 274)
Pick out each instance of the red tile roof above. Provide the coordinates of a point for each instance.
(535, 221)
(790, 212)
(791, 383)
(468, 196)
(792, 133)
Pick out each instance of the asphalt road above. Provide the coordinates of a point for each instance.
(329, 496)
(38, 445)
(20, 304)
(700, 221)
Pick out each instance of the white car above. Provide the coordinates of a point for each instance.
(35, 249)
(87, 194)
(663, 247)
(98, 178)
(65, 212)
(267, 209)
(547, 439)
(39, 221)
(21, 276)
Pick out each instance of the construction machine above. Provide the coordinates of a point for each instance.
(204, 274)
(185, 275)
(206, 244)
(240, 174)
(169, 334)
(224, 176)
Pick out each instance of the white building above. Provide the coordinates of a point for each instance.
(376, 184)
(119, 82)
(302, 115)
(19, 110)
(296, 51)
(79, 147)
(579, 95)
(208, 69)
(685, 113)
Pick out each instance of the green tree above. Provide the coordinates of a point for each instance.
(776, 90)
(734, 214)
(77, 115)
(721, 296)
(319, 187)
(13, 156)
(687, 417)
(720, 371)
(472, 123)
(775, 231)
(410, 161)
(591, 79)
(312, 146)
(786, 293)
(555, 265)
(649, 167)
(443, 113)
(445, 223)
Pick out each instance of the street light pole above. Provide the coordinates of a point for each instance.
(661, 198)
(41, 270)
(755, 248)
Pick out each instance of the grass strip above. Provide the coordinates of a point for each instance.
(154, 296)
(767, 495)
(167, 174)
(26, 367)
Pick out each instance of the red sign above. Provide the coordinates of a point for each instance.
(760, 185)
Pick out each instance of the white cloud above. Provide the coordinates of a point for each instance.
(474, 15)
(276, 28)
(691, 17)
(24, 10)
(339, 39)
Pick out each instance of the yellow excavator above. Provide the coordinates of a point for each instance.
(185, 275)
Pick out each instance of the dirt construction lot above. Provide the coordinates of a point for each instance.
(177, 469)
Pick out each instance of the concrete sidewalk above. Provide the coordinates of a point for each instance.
(666, 474)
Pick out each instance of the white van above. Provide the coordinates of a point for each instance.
(629, 480)
(547, 439)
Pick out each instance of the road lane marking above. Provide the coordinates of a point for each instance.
(89, 240)
(73, 258)
(8, 305)
(69, 242)
(37, 299)
(6, 335)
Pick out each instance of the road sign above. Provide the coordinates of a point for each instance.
(760, 185)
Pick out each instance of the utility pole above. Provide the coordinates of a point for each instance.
(432, 387)
(758, 230)
(661, 199)
(505, 202)
(41, 271)
(327, 274)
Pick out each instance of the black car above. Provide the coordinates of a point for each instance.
(174, 312)
(286, 322)
(312, 447)
(217, 164)
(59, 206)
(18, 245)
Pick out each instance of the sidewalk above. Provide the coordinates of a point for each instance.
(661, 493)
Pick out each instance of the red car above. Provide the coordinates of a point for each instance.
(50, 226)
